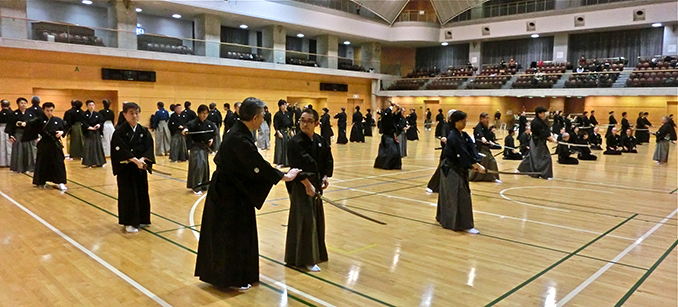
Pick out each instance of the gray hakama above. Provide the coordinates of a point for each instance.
(402, 143)
(455, 210)
(538, 159)
(280, 156)
(94, 150)
(23, 154)
(109, 128)
(5, 147)
(198, 169)
(490, 163)
(661, 152)
(216, 142)
(76, 144)
(163, 138)
(264, 139)
(178, 150)
(305, 244)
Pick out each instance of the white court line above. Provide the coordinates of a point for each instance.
(528, 204)
(282, 285)
(602, 270)
(609, 185)
(488, 213)
(375, 176)
(111, 268)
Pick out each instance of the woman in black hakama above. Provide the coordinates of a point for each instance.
(49, 163)
(341, 126)
(357, 129)
(389, 151)
(326, 126)
(538, 158)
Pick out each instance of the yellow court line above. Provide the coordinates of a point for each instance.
(353, 251)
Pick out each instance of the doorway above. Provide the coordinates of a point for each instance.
(62, 98)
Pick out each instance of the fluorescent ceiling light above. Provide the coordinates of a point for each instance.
(88, 2)
(347, 43)
(138, 10)
(176, 16)
(444, 43)
(656, 24)
(300, 35)
(535, 35)
(243, 26)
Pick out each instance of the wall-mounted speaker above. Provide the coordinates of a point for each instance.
(531, 26)
(485, 30)
(127, 75)
(579, 21)
(639, 15)
(448, 34)
(334, 87)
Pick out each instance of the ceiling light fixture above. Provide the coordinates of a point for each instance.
(88, 2)
(243, 26)
(535, 35)
(444, 43)
(176, 16)
(138, 10)
(656, 24)
(347, 43)
(300, 35)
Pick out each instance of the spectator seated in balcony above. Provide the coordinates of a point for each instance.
(663, 74)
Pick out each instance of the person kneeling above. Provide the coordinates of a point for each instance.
(511, 154)
(564, 152)
(585, 152)
(613, 144)
(628, 142)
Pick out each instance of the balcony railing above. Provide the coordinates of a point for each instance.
(64, 33)
(416, 15)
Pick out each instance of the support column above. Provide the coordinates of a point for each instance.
(13, 28)
(474, 54)
(670, 40)
(274, 37)
(252, 41)
(560, 42)
(208, 29)
(124, 19)
(373, 96)
(370, 53)
(328, 50)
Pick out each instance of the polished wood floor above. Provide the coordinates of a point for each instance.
(599, 234)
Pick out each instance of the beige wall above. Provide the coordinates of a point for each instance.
(392, 58)
(655, 105)
(24, 71)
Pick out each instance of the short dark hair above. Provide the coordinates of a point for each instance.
(326, 110)
(130, 105)
(510, 131)
(21, 99)
(313, 113)
(593, 111)
(187, 104)
(623, 113)
(213, 106)
(310, 106)
(251, 107)
(89, 100)
(35, 100)
(440, 110)
(77, 104)
(281, 102)
(343, 109)
(106, 103)
(4, 103)
(357, 108)
(539, 110)
(161, 104)
(611, 112)
(172, 106)
(457, 116)
(586, 112)
(645, 113)
(227, 105)
(483, 115)
(47, 105)
(203, 108)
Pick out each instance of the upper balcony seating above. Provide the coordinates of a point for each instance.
(654, 72)
(161, 43)
(65, 33)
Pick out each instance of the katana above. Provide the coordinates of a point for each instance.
(343, 207)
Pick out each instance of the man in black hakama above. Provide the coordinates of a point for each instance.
(357, 129)
(433, 185)
(309, 152)
(341, 126)
(413, 132)
(584, 153)
(326, 126)
(131, 158)
(628, 142)
(214, 116)
(401, 131)
(177, 123)
(612, 123)
(664, 134)
(389, 152)
(282, 124)
(440, 118)
(200, 134)
(367, 125)
(642, 133)
(613, 143)
(524, 139)
(22, 137)
(49, 164)
(5, 145)
(228, 250)
(538, 158)
(483, 141)
(564, 152)
(596, 140)
(522, 123)
(229, 119)
(511, 154)
(93, 126)
(455, 210)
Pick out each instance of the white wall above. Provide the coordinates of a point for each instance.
(80, 14)
(179, 28)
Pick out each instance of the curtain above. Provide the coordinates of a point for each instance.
(293, 43)
(523, 51)
(234, 36)
(442, 57)
(627, 43)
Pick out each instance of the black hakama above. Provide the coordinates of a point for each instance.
(23, 154)
(664, 135)
(73, 118)
(455, 210)
(489, 162)
(402, 143)
(49, 163)
(178, 147)
(326, 128)
(413, 132)
(305, 243)
(341, 128)
(134, 204)
(357, 129)
(538, 159)
(367, 125)
(280, 154)
(228, 250)
(389, 154)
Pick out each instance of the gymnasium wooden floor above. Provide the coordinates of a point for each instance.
(599, 234)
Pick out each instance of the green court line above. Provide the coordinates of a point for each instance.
(305, 273)
(544, 271)
(646, 275)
